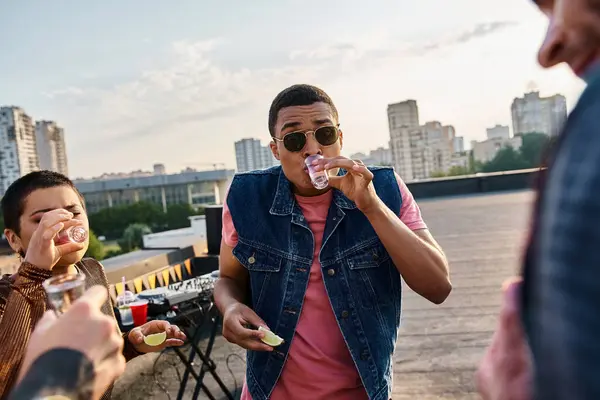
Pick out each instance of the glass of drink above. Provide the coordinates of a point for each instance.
(319, 179)
(139, 312)
(63, 290)
(76, 234)
(124, 301)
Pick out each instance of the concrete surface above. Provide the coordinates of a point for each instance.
(439, 346)
(144, 381)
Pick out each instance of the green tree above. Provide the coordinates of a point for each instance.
(474, 165)
(133, 237)
(95, 248)
(437, 174)
(112, 222)
(458, 170)
(506, 159)
(533, 147)
(177, 215)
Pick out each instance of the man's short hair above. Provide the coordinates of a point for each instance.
(298, 95)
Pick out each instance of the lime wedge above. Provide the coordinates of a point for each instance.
(270, 338)
(155, 340)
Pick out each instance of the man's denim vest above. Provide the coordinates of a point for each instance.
(363, 285)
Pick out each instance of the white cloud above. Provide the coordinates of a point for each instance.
(194, 108)
(378, 49)
(183, 111)
(69, 91)
(326, 52)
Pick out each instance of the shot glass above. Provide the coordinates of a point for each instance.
(76, 234)
(319, 179)
(63, 290)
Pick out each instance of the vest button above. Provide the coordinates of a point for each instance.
(251, 260)
(331, 272)
(345, 314)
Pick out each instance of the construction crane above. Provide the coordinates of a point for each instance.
(214, 165)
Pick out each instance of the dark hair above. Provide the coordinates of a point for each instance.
(298, 95)
(13, 202)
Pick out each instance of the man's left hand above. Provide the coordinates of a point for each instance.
(175, 336)
(356, 184)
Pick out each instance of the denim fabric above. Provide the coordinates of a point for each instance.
(561, 308)
(363, 285)
(593, 73)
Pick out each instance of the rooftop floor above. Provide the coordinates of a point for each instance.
(439, 346)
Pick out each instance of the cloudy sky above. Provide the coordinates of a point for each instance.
(137, 82)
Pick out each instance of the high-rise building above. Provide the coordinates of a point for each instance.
(498, 132)
(403, 115)
(251, 155)
(51, 149)
(486, 151)
(421, 151)
(382, 156)
(458, 144)
(498, 137)
(18, 153)
(533, 113)
(378, 157)
(268, 160)
(460, 160)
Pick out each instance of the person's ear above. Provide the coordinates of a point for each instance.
(14, 241)
(274, 150)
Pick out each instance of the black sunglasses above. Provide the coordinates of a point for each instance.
(295, 141)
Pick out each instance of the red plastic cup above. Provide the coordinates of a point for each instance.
(139, 311)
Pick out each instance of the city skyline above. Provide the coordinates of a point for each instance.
(420, 149)
(247, 149)
(202, 78)
(251, 154)
(28, 145)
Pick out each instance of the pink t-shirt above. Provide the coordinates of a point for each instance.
(319, 365)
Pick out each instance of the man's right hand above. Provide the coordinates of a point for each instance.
(84, 328)
(235, 319)
(41, 251)
(506, 372)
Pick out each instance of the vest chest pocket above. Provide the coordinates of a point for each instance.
(372, 277)
(264, 269)
(257, 260)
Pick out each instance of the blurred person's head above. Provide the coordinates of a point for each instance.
(29, 197)
(303, 121)
(573, 35)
